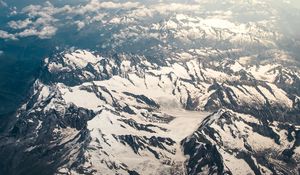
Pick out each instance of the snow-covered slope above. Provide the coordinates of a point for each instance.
(241, 144)
(126, 115)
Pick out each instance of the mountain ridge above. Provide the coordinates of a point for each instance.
(114, 97)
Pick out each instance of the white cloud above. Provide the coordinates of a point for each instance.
(6, 35)
(79, 24)
(43, 20)
(98, 17)
(20, 24)
(112, 5)
(163, 9)
(141, 12)
(45, 11)
(95, 5)
(175, 7)
(45, 33)
(28, 32)
(40, 22)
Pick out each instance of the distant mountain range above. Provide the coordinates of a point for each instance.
(176, 92)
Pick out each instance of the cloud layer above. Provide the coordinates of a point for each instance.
(44, 20)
